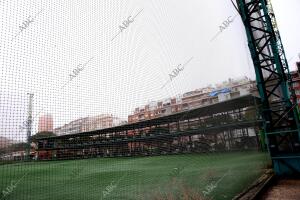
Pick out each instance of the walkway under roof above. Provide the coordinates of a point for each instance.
(224, 106)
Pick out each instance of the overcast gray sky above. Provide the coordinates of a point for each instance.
(129, 70)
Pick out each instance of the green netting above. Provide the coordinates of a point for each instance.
(127, 100)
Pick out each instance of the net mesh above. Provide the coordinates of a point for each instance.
(126, 100)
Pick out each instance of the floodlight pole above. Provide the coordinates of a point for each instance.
(29, 125)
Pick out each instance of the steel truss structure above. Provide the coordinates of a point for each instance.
(226, 126)
(274, 82)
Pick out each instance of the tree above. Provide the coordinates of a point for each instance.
(13, 147)
(42, 135)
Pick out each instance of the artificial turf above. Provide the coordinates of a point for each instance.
(189, 176)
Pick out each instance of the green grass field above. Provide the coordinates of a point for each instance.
(190, 176)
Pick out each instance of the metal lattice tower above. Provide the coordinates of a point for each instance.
(274, 82)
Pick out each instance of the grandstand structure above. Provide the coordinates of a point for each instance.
(224, 126)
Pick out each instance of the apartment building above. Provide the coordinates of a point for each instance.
(200, 97)
(101, 122)
(89, 124)
(71, 128)
(296, 81)
(45, 123)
